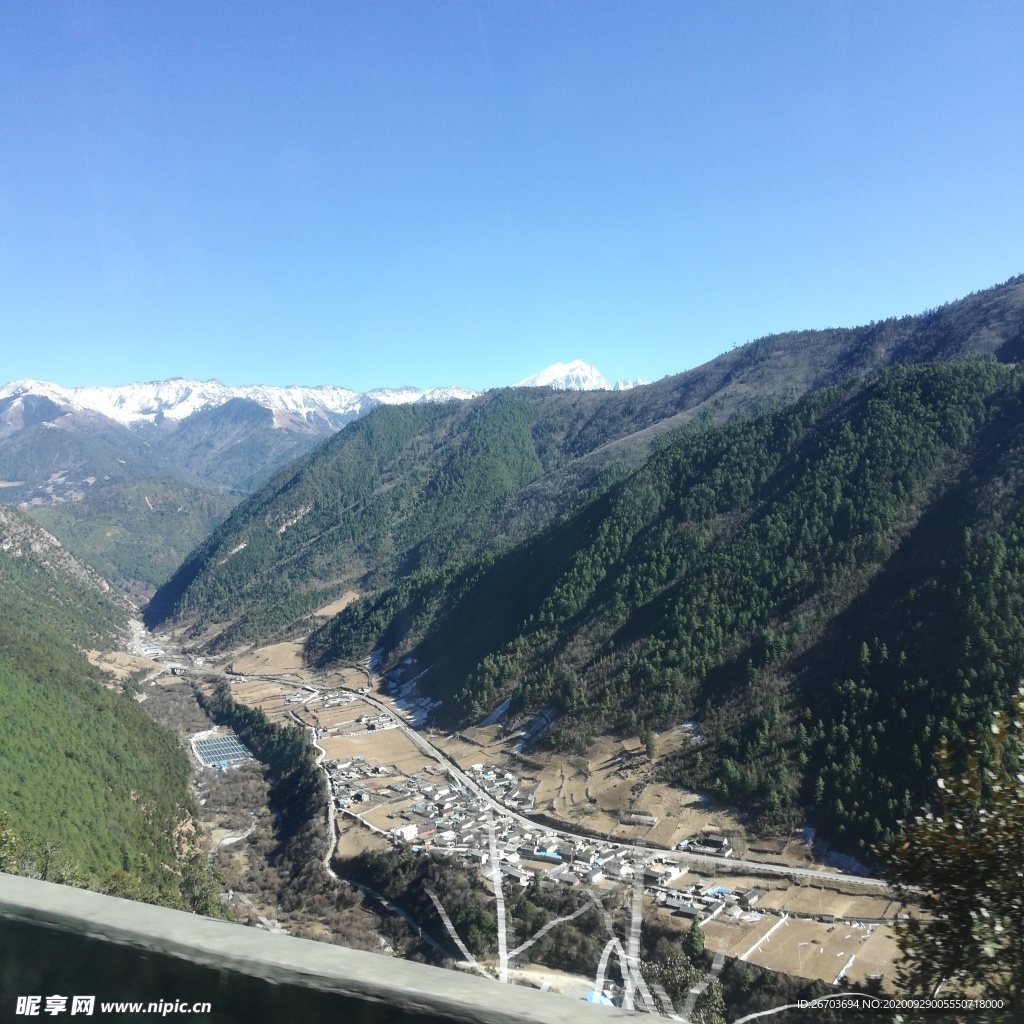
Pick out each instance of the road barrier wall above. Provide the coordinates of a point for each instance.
(55, 940)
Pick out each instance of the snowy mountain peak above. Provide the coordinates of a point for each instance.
(178, 398)
(628, 383)
(323, 407)
(574, 376)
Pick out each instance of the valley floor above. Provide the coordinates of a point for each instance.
(822, 925)
(808, 921)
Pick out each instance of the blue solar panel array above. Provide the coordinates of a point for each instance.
(221, 750)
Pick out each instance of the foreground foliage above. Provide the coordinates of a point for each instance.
(968, 855)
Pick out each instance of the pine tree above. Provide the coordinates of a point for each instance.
(9, 844)
(695, 941)
(969, 859)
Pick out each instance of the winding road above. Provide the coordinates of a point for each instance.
(706, 864)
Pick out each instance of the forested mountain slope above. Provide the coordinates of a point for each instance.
(81, 767)
(404, 488)
(426, 487)
(44, 452)
(828, 589)
(136, 532)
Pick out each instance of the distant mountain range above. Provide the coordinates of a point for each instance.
(157, 402)
(165, 402)
(56, 443)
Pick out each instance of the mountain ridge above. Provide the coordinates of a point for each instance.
(573, 440)
(629, 558)
(177, 398)
(806, 586)
(57, 443)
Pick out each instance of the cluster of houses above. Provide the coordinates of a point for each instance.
(331, 698)
(525, 851)
(374, 721)
(710, 845)
(522, 850)
(703, 900)
(438, 813)
(350, 780)
(502, 786)
(446, 816)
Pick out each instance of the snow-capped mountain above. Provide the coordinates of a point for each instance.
(177, 399)
(408, 395)
(169, 402)
(628, 383)
(574, 376)
(577, 376)
(57, 443)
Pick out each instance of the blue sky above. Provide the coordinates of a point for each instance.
(462, 193)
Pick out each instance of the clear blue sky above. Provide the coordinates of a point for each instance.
(367, 193)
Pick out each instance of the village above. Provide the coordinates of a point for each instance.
(394, 781)
(476, 813)
(438, 814)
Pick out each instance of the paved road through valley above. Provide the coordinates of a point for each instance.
(708, 864)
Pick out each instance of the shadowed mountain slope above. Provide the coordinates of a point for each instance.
(136, 532)
(827, 589)
(81, 766)
(426, 487)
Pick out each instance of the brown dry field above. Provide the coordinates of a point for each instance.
(811, 900)
(285, 657)
(330, 717)
(330, 610)
(463, 752)
(735, 937)
(473, 745)
(353, 839)
(391, 747)
(378, 816)
(265, 695)
(346, 679)
(876, 956)
(593, 792)
(372, 784)
(828, 949)
(256, 692)
(825, 950)
(119, 664)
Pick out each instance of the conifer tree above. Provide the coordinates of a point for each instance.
(968, 857)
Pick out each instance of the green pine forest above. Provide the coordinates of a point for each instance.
(827, 589)
(83, 769)
(807, 549)
(424, 487)
(136, 532)
(403, 489)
